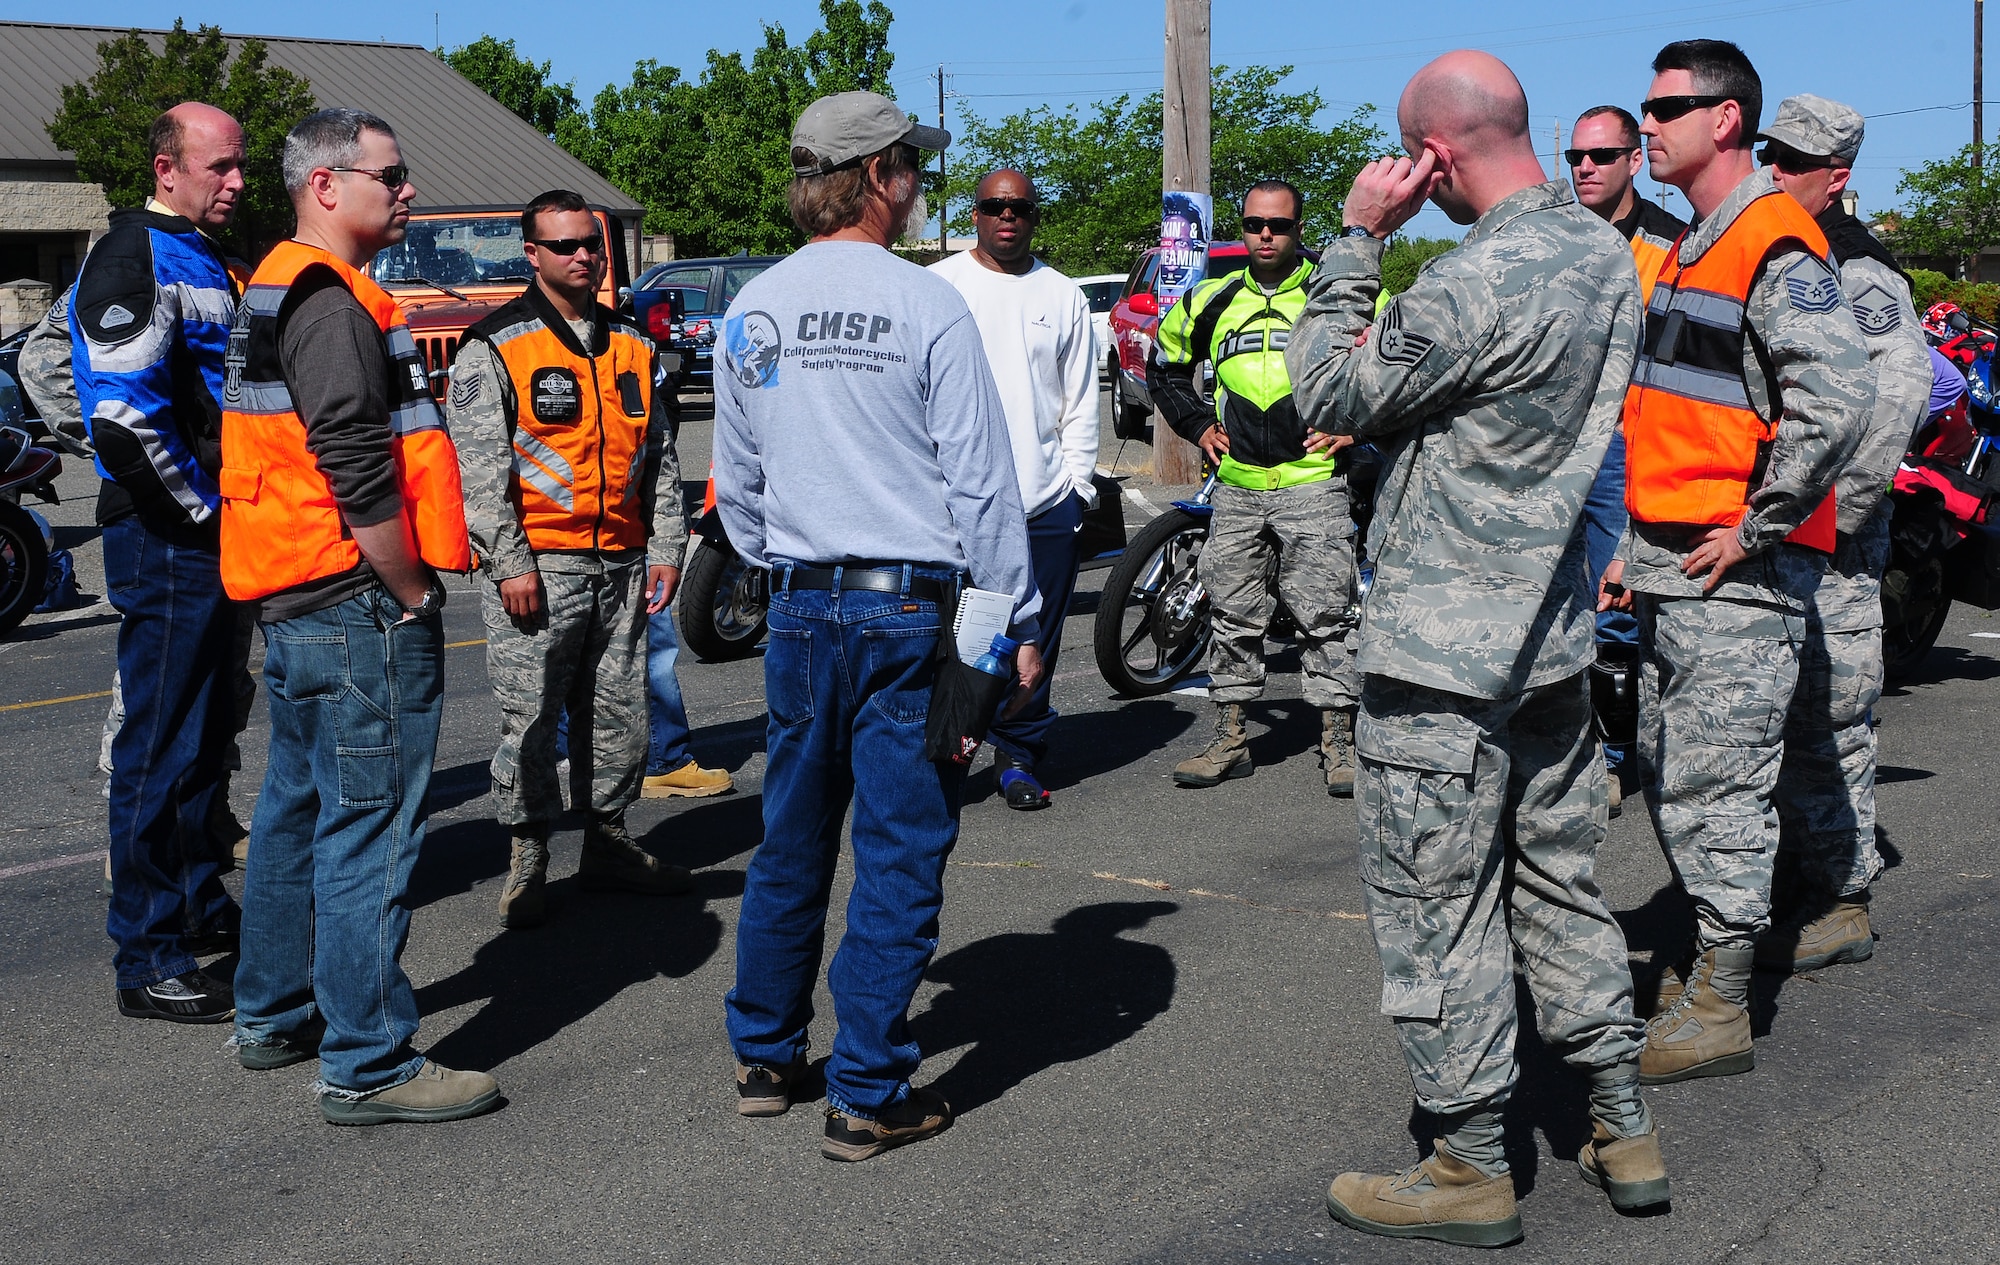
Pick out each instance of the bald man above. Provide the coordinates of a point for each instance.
(148, 321)
(1492, 387)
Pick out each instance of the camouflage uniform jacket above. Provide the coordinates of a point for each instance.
(1819, 366)
(1900, 362)
(480, 408)
(50, 382)
(1492, 386)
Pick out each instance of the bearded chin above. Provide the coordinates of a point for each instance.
(918, 217)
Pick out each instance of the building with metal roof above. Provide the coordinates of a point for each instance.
(463, 147)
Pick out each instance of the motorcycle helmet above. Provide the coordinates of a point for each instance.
(1938, 323)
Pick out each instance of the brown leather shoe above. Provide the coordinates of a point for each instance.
(1818, 936)
(917, 1117)
(1631, 1171)
(1701, 1034)
(1441, 1198)
(764, 1089)
(434, 1094)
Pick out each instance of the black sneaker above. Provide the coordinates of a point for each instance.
(190, 998)
(284, 1051)
(764, 1090)
(917, 1117)
(212, 944)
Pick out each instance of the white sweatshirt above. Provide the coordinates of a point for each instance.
(1042, 350)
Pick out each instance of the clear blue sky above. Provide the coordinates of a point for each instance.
(1893, 62)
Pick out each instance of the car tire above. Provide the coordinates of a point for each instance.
(1128, 420)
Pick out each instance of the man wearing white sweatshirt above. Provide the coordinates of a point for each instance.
(1035, 324)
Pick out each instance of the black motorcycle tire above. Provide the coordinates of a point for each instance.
(1128, 420)
(722, 604)
(1179, 643)
(1914, 608)
(24, 564)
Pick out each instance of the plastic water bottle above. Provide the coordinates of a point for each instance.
(998, 659)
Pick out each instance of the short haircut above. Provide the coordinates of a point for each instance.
(827, 203)
(1719, 69)
(1619, 112)
(327, 138)
(165, 137)
(1279, 186)
(553, 200)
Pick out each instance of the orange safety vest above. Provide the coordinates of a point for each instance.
(1694, 445)
(1650, 254)
(577, 417)
(280, 524)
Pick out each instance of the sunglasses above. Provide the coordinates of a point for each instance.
(1021, 207)
(570, 245)
(1280, 225)
(1667, 109)
(1603, 156)
(1791, 161)
(394, 177)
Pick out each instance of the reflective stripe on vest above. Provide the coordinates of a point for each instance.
(579, 429)
(1695, 446)
(281, 526)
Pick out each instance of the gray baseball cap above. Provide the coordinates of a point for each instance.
(848, 126)
(1816, 127)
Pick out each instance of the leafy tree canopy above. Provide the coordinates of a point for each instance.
(1097, 170)
(1406, 256)
(710, 158)
(1953, 209)
(515, 82)
(103, 120)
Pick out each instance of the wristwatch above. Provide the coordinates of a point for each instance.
(1355, 230)
(432, 603)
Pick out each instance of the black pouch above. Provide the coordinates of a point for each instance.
(963, 699)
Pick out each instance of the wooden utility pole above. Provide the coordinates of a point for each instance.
(1978, 79)
(1184, 168)
(944, 197)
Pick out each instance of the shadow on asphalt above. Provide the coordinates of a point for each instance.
(709, 831)
(1945, 663)
(1026, 1002)
(594, 946)
(1662, 927)
(1084, 746)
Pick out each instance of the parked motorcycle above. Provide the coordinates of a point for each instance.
(24, 550)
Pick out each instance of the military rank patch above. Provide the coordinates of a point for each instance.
(465, 391)
(1398, 346)
(1811, 287)
(1877, 312)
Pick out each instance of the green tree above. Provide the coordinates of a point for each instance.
(1406, 256)
(710, 158)
(103, 120)
(515, 82)
(1952, 212)
(1098, 169)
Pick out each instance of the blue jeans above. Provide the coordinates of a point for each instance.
(1604, 518)
(666, 714)
(847, 676)
(355, 701)
(1053, 556)
(168, 755)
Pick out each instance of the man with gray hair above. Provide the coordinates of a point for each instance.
(341, 503)
(1826, 785)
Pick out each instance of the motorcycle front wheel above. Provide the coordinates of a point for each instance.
(24, 564)
(1152, 625)
(1914, 607)
(723, 602)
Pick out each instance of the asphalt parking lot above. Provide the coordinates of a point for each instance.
(1154, 1010)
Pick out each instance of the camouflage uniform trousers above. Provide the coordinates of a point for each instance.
(1716, 679)
(1826, 787)
(588, 648)
(1480, 824)
(1296, 543)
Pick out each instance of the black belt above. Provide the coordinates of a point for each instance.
(873, 579)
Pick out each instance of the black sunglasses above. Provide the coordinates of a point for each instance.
(570, 245)
(1280, 225)
(395, 177)
(1603, 155)
(1667, 109)
(1791, 161)
(1021, 207)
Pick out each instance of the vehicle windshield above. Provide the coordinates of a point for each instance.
(1102, 295)
(456, 251)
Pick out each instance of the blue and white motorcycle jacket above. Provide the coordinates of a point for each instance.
(149, 321)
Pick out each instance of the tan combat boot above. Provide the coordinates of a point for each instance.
(1822, 934)
(1442, 1198)
(1631, 1171)
(1227, 757)
(521, 899)
(614, 861)
(1706, 1031)
(1336, 751)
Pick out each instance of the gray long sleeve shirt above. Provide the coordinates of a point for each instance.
(856, 420)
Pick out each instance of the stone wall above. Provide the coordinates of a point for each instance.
(53, 206)
(22, 303)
